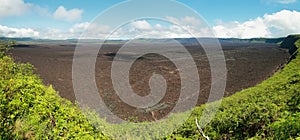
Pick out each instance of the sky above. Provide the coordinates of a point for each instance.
(64, 19)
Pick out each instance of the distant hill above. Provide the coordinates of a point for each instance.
(17, 39)
(254, 40)
(163, 40)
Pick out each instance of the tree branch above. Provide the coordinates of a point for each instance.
(200, 130)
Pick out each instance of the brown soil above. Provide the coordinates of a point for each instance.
(247, 65)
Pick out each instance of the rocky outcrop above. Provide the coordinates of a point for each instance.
(289, 43)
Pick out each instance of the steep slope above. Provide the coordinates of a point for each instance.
(30, 110)
(269, 110)
(289, 43)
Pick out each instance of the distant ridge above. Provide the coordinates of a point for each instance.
(256, 40)
(181, 40)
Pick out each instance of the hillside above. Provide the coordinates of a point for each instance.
(30, 110)
(270, 110)
(289, 43)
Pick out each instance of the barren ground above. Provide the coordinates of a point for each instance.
(247, 64)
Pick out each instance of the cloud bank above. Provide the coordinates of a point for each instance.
(277, 24)
(18, 32)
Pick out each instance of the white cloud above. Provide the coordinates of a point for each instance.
(10, 8)
(62, 13)
(191, 26)
(18, 32)
(13, 8)
(52, 33)
(141, 25)
(277, 24)
(177, 28)
(95, 28)
(79, 27)
(248, 29)
(285, 22)
(143, 29)
(90, 30)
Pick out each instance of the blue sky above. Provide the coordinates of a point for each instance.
(69, 18)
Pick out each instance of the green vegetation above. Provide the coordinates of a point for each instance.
(270, 110)
(5, 45)
(30, 110)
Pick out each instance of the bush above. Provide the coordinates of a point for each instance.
(30, 110)
(5, 45)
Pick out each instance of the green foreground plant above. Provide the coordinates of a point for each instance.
(5, 45)
(30, 110)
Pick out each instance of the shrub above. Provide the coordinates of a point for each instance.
(5, 45)
(30, 110)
